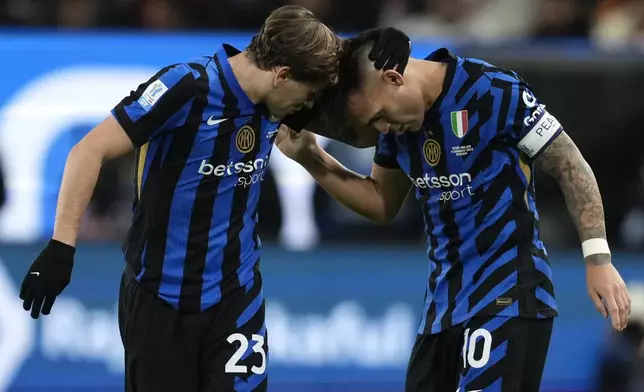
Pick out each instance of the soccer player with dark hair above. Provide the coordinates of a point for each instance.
(191, 305)
(467, 137)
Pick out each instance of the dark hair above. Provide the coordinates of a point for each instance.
(293, 37)
(329, 115)
(355, 64)
(352, 72)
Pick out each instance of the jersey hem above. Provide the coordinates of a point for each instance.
(542, 315)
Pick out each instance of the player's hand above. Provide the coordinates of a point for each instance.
(295, 145)
(391, 49)
(47, 278)
(609, 293)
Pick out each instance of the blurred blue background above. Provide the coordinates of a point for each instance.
(340, 319)
(342, 311)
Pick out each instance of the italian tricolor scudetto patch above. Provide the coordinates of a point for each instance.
(459, 123)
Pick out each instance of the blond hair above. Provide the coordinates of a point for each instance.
(293, 37)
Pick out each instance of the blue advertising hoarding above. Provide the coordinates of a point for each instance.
(339, 319)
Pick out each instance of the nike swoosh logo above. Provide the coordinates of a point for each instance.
(35, 273)
(211, 121)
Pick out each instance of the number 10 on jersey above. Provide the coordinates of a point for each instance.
(232, 364)
(469, 348)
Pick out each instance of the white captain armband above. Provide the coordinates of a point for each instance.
(540, 132)
(595, 246)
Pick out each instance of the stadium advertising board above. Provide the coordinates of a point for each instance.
(339, 319)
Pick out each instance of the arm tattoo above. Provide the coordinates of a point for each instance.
(563, 161)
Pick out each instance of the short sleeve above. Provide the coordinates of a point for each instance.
(158, 104)
(528, 124)
(386, 152)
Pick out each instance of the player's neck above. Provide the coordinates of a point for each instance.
(251, 79)
(431, 76)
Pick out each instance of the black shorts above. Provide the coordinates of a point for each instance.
(486, 354)
(223, 349)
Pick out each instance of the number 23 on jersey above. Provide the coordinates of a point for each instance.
(232, 366)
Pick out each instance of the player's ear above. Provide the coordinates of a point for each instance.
(392, 77)
(282, 74)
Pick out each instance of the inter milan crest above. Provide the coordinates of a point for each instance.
(245, 140)
(432, 151)
(459, 123)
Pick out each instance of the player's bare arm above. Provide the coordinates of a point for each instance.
(377, 197)
(106, 141)
(564, 162)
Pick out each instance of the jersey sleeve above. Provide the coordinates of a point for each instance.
(157, 105)
(386, 152)
(528, 125)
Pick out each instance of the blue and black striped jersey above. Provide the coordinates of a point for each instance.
(202, 151)
(471, 165)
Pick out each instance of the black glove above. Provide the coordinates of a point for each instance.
(392, 48)
(47, 277)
